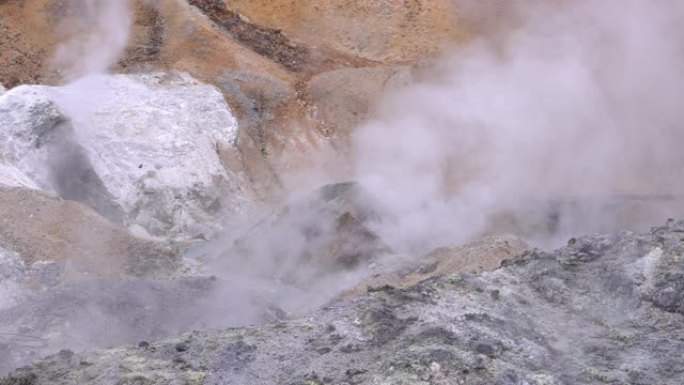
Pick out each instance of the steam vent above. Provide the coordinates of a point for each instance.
(309, 192)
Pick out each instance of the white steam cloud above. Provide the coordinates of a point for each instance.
(96, 36)
(559, 101)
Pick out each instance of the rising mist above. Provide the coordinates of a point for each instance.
(94, 37)
(552, 102)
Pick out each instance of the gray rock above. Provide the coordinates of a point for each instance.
(603, 309)
(258, 97)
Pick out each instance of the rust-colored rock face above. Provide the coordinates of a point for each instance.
(382, 31)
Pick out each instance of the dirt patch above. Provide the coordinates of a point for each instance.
(20, 61)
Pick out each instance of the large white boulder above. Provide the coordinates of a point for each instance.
(140, 149)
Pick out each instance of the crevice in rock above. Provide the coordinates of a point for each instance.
(268, 42)
(73, 178)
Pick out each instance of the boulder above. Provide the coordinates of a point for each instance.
(140, 149)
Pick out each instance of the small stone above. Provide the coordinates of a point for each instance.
(495, 294)
(182, 346)
(349, 348)
(480, 363)
(323, 351)
(486, 349)
(65, 354)
(144, 344)
(354, 372)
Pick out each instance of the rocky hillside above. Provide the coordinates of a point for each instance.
(340, 192)
(601, 310)
(298, 74)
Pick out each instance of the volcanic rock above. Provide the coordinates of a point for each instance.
(604, 309)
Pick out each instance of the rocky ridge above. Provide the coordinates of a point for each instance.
(603, 309)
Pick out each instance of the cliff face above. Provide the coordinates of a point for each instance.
(603, 309)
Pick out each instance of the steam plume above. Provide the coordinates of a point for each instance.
(97, 36)
(558, 100)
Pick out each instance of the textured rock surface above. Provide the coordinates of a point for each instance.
(604, 309)
(381, 31)
(142, 150)
(342, 99)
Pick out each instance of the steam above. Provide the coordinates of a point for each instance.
(563, 101)
(96, 33)
(553, 113)
(96, 37)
